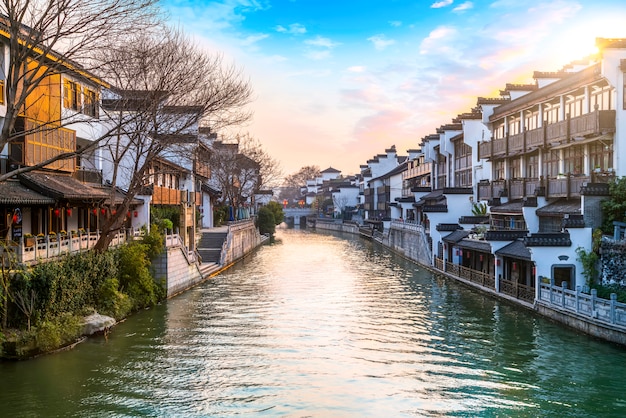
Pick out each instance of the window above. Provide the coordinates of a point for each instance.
(515, 168)
(71, 95)
(550, 164)
(462, 164)
(573, 160)
(601, 155)
(532, 166)
(91, 103)
(498, 170)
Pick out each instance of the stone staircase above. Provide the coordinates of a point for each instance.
(210, 246)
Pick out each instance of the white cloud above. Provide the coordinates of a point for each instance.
(442, 3)
(318, 55)
(321, 42)
(380, 41)
(463, 7)
(294, 29)
(395, 23)
(253, 39)
(356, 69)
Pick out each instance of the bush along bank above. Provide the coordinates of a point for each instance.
(43, 307)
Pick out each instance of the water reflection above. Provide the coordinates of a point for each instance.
(324, 325)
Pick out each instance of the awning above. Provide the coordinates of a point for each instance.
(474, 244)
(511, 208)
(516, 249)
(456, 236)
(560, 207)
(12, 192)
(59, 186)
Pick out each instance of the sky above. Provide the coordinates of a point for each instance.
(337, 82)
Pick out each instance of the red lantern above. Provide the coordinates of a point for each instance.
(481, 257)
(57, 212)
(103, 211)
(69, 212)
(534, 270)
(128, 214)
(114, 212)
(136, 214)
(95, 212)
(514, 266)
(497, 262)
(15, 219)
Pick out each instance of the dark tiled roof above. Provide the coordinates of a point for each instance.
(456, 236)
(514, 208)
(119, 196)
(448, 227)
(516, 249)
(12, 192)
(560, 208)
(557, 239)
(58, 186)
(474, 244)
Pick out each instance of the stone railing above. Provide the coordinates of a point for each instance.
(595, 309)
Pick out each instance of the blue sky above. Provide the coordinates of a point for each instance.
(336, 83)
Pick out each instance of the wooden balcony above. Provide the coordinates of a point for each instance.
(585, 126)
(568, 186)
(166, 196)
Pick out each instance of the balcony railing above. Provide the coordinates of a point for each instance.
(595, 123)
(563, 186)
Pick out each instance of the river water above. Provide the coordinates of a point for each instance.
(325, 325)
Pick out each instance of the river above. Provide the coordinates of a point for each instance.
(325, 325)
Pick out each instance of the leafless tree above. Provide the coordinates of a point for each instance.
(165, 85)
(297, 180)
(48, 38)
(241, 167)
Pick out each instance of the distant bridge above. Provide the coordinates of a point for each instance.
(297, 216)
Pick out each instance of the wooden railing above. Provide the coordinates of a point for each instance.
(517, 290)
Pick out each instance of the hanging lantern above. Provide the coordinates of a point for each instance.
(497, 262)
(57, 212)
(514, 266)
(468, 253)
(95, 212)
(481, 257)
(128, 214)
(15, 218)
(114, 212)
(534, 270)
(136, 214)
(69, 212)
(103, 211)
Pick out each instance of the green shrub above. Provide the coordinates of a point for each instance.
(265, 221)
(165, 216)
(134, 275)
(153, 242)
(112, 302)
(65, 329)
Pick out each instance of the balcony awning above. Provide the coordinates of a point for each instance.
(13, 193)
(474, 244)
(456, 236)
(581, 141)
(62, 187)
(511, 208)
(516, 249)
(560, 207)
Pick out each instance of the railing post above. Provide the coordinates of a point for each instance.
(613, 302)
(551, 285)
(563, 286)
(577, 296)
(594, 294)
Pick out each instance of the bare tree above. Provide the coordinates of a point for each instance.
(241, 167)
(165, 86)
(48, 38)
(294, 182)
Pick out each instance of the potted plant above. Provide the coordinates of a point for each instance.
(29, 240)
(40, 237)
(52, 235)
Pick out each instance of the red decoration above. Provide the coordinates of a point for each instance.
(95, 212)
(534, 270)
(69, 212)
(57, 212)
(497, 262)
(128, 214)
(481, 257)
(514, 266)
(15, 219)
(114, 212)
(136, 214)
(103, 211)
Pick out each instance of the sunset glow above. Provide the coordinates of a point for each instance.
(336, 85)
